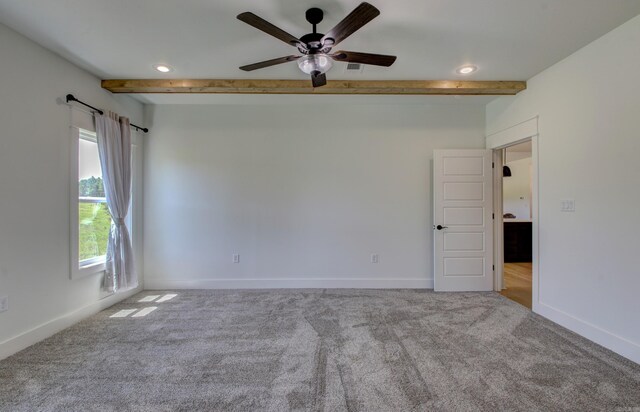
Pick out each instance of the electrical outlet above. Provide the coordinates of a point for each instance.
(374, 258)
(236, 258)
(4, 303)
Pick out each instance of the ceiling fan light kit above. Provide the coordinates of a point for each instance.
(316, 58)
(315, 63)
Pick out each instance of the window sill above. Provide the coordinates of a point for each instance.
(90, 268)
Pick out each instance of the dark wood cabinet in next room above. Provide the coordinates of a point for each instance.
(517, 241)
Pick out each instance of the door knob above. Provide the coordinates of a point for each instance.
(440, 227)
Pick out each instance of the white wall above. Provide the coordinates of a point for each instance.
(34, 191)
(589, 140)
(304, 193)
(516, 189)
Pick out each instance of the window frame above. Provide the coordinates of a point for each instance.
(94, 265)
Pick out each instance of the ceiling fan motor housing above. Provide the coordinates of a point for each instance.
(314, 15)
(312, 42)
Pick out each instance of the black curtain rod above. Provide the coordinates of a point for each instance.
(72, 98)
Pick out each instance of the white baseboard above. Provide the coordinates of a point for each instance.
(617, 344)
(35, 335)
(151, 283)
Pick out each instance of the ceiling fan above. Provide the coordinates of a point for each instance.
(315, 48)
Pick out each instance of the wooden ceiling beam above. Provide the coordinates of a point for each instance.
(247, 86)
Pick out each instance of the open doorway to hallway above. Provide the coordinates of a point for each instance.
(517, 202)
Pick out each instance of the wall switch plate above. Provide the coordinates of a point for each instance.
(374, 258)
(236, 258)
(568, 205)
(4, 303)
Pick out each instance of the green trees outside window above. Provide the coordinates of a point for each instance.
(94, 219)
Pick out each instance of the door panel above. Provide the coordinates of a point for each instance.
(463, 241)
(463, 246)
(464, 267)
(463, 216)
(463, 191)
(454, 166)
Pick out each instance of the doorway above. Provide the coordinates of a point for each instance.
(516, 222)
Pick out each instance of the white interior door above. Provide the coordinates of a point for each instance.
(463, 226)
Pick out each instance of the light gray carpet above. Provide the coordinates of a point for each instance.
(331, 350)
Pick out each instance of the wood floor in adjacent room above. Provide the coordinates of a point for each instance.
(517, 280)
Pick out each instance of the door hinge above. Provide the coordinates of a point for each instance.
(494, 268)
(493, 165)
(493, 215)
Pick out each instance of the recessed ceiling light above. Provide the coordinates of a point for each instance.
(162, 68)
(468, 69)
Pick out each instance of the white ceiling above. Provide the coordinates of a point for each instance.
(506, 39)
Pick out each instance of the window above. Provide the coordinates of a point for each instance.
(90, 219)
(94, 221)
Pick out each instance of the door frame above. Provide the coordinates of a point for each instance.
(521, 132)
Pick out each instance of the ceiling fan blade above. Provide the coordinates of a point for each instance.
(364, 58)
(360, 16)
(318, 79)
(261, 24)
(267, 63)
